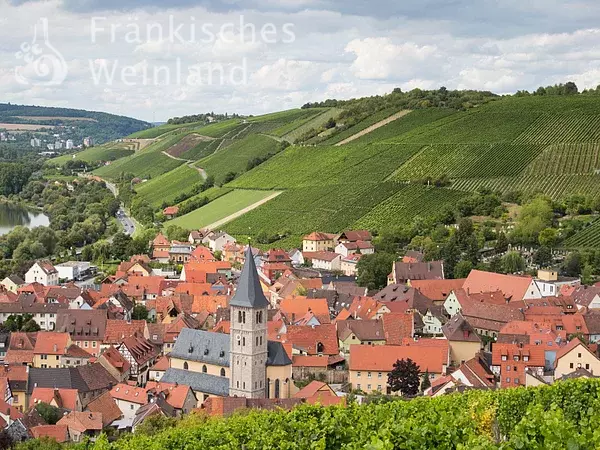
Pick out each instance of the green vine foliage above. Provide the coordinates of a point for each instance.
(563, 416)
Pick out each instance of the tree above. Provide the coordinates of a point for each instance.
(462, 269)
(404, 377)
(501, 243)
(451, 255)
(140, 312)
(587, 275)
(426, 383)
(373, 270)
(464, 232)
(51, 414)
(548, 237)
(176, 233)
(120, 246)
(543, 256)
(535, 216)
(513, 262)
(572, 265)
(30, 326)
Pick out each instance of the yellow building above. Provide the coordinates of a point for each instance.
(575, 355)
(369, 367)
(318, 242)
(49, 347)
(362, 332)
(464, 341)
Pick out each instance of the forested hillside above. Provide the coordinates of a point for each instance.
(102, 127)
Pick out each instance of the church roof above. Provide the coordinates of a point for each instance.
(213, 348)
(249, 293)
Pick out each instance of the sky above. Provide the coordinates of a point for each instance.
(154, 59)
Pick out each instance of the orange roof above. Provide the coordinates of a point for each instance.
(209, 303)
(176, 394)
(195, 289)
(208, 266)
(397, 327)
(130, 394)
(51, 343)
(82, 421)
(364, 308)
(170, 210)
(318, 236)
(570, 323)
(65, 398)
(162, 364)
(160, 240)
(535, 353)
(105, 405)
(117, 330)
(307, 339)
(115, 359)
(59, 433)
(224, 326)
(160, 253)
(511, 285)
(19, 356)
(297, 306)
(383, 357)
(202, 253)
(310, 361)
(437, 289)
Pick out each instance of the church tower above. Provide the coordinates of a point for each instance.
(248, 335)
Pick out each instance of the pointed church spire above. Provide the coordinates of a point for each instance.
(249, 293)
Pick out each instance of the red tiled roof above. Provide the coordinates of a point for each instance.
(82, 421)
(176, 394)
(437, 290)
(309, 361)
(383, 357)
(318, 236)
(297, 306)
(132, 394)
(51, 343)
(162, 364)
(115, 359)
(59, 433)
(308, 338)
(171, 210)
(512, 286)
(105, 405)
(65, 398)
(321, 256)
(202, 253)
(397, 327)
(160, 240)
(209, 303)
(117, 330)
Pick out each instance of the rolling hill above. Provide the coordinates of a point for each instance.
(102, 127)
(548, 144)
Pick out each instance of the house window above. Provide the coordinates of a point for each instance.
(379, 387)
(516, 381)
(508, 379)
(379, 375)
(368, 374)
(239, 317)
(508, 368)
(222, 372)
(587, 367)
(130, 406)
(93, 344)
(579, 355)
(358, 386)
(204, 369)
(503, 357)
(44, 357)
(525, 358)
(243, 342)
(570, 365)
(185, 365)
(516, 357)
(369, 387)
(85, 344)
(357, 374)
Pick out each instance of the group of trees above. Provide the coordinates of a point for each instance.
(206, 118)
(14, 177)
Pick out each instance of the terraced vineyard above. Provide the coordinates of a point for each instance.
(167, 186)
(566, 159)
(589, 237)
(235, 157)
(107, 152)
(405, 124)
(468, 161)
(305, 166)
(563, 128)
(315, 123)
(557, 187)
(360, 126)
(405, 205)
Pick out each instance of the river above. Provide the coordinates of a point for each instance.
(14, 215)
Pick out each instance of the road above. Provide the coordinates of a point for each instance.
(122, 216)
